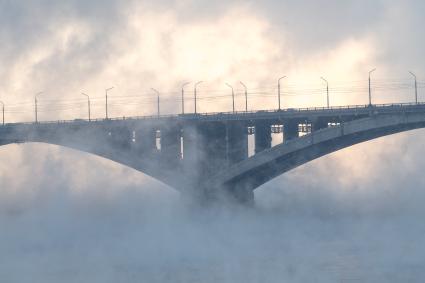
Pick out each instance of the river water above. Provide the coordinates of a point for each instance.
(103, 227)
(132, 237)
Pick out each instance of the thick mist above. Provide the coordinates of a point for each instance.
(86, 219)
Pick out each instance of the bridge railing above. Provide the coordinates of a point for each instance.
(200, 116)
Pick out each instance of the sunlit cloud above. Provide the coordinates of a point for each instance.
(154, 49)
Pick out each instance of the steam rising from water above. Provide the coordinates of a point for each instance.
(99, 222)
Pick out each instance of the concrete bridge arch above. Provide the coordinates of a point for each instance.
(95, 139)
(243, 178)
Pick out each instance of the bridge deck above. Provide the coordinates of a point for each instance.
(291, 113)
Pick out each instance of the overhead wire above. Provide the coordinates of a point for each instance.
(46, 104)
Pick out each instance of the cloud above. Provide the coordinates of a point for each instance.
(134, 47)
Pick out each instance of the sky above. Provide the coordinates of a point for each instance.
(73, 217)
(66, 48)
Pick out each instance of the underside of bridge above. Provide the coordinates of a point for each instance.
(209, 159)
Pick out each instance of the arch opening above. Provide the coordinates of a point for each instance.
(34, 153)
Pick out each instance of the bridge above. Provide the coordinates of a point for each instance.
(206, 155)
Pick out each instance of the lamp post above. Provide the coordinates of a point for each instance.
(416, 87)
(370, 87)
(233, 98)
(327, 90)
(185, 84)
(157, 101)
(278, 89)
(106, 100)
(36, 105)
(2, 103)
(88, 104)
(196, 86)
(246, 96)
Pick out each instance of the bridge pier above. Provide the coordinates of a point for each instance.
(319, 124)
(210, 147)
(237, 142)
(213, 144)
(191, 148)
(204, 152)
(241, 194)
(263, 136)
(290, 130)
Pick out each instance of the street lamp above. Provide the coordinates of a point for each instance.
(88, 103)
(157, 96)
(196, 85)
(185, 84)
(2, 110)
(36, 105)
(233, 97)
(278, 89)
(370, 88)
(416, 87)
(106, 96)
(246, 96)
(327, 90)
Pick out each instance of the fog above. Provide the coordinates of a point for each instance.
(66, 216)
(78, 218)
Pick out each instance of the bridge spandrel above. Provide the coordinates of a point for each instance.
(263, 135)
(320, 123)
(204, 149)
(119, 138)
(237, 142)
(191, 154)
(170, 139)
(290, 130)
(145, 142)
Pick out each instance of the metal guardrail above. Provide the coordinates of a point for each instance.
(207, 116)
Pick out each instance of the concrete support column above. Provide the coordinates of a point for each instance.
(237, 142)
(263, 136)
(192, 154)
(170, 146)
(214, 147)
(319, 124)
(204, 150)
(290, 130)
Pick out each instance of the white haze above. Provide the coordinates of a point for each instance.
(64, 223)
(65, 216)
